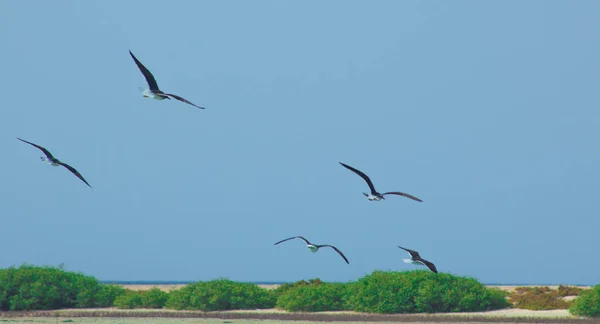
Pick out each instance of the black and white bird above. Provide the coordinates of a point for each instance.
(154, 92)
(314, 247)
(374, 195)
(56, 162)
(415, 258)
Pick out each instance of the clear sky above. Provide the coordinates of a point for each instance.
(486, 110)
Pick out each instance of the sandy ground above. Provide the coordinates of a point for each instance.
(280, 315)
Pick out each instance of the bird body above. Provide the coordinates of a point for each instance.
(52, 162)
(147, 93)
(373, 197)
(411, 261)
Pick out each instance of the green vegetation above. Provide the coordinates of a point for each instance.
(221, 294)
(47, 288)
(107, 294)
(153, 298)
(587, 304)
(130, 300)
(542, 298)
(287, 286)
(314, 297)
(422, 292)
(33, 288)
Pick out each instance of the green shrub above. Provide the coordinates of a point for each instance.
(221, 294)
(422, 291)
(154, 298)
(106, 295)
(587, 304)
(286, 286)
(130, 300)
(33, 288)
(313, 297)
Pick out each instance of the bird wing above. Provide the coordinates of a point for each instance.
(336, 250)
(429, 265)
(414, 254)
(46, 152)
(183, 100)
(293, 237)
(364, 176)
(402, 194)
(149, 77)
(75, 172)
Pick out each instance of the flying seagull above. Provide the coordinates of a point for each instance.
(314, 247)
(415, 258)
(374, 195)
(55, 162)
(154, 92)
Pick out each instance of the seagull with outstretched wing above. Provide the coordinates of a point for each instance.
(315, 247)
(374, 195)
(56, 162)
(154, 92)
(415, 258)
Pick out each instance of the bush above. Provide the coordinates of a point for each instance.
(106, 295)
(32, 288)
(130, 300)
(153, 298)
(564, 291)
(287, 286)
(422, 291)
(587, 304)
(221, 294)
(540, 298)
(314, 297)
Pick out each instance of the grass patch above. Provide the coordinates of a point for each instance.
(542, 298)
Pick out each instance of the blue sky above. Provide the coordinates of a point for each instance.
(488, 111)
